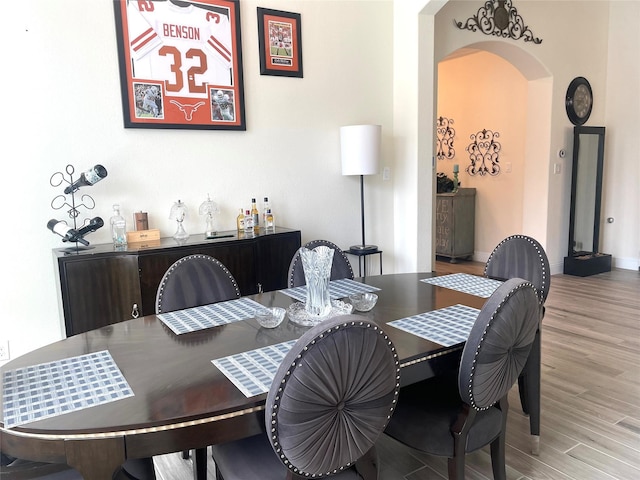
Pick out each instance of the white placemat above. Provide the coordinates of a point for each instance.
(207, 316)
(446, 326)
(466, 283)
(337, 289)
(50, 389)
(253, 371)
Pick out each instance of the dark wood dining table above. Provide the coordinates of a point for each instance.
(181, 400)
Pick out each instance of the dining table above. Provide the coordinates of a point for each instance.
(163, 388)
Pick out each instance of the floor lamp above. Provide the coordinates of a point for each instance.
(360, 153)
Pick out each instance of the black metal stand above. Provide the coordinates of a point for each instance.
(363, 247)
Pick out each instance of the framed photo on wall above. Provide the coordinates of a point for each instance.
(280, 43)
(180, 64)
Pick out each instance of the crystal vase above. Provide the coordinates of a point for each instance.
(316, 264)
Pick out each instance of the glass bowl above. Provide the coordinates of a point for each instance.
(363, 302)
(269, 317)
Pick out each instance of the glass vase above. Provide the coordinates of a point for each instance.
(316, 264)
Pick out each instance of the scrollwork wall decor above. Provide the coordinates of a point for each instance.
(445, 134)
(483, 153)
(499, 18)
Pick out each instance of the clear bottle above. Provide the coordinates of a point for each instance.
(240, 221)
(118, 227)
(265, 207)
(248, 223)
(255, 215)
(270, 222)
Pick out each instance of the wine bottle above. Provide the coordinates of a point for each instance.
(90, 177)
(255, 215)
(94, 224)
(118, 227)
(67, 233)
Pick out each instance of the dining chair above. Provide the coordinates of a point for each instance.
(329, 402)
(523, 257)
(193, 281)
(449, 416)
(341, 267)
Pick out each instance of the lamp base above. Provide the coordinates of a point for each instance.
(362, 248)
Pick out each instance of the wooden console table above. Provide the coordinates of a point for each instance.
(455, 223)
(103, 285)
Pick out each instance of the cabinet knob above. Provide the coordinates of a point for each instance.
(260, 288)
(134, 312)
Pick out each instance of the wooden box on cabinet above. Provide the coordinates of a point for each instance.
(101, 286)
(455, 223)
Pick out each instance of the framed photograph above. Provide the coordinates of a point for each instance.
(280, 42)
(180, 64)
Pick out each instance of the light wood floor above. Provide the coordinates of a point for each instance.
(590, 393)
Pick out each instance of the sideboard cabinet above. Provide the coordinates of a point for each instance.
(103, 285)
(455, 223)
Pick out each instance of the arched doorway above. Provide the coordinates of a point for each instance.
(499, 87)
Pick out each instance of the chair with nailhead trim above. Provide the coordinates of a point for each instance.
(450, 418)
(193, 281)
(330, 400)
(520, 256)
(341, 267)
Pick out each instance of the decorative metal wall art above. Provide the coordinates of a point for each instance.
(499, 18)
(483, 153)
(445, 134)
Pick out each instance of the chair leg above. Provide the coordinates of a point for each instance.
(529, 389)
(455, 467)
(498, 458)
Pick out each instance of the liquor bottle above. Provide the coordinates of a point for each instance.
(270, 222)
(90, 177)
(255, 215)
(94, 224)
(67, 233)
(118, 227)
(265, 207)
(240, 221)
(248, 224)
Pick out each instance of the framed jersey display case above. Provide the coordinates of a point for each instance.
(180, 64)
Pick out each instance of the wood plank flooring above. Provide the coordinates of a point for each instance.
(590, 393)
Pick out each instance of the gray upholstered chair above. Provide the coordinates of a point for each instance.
(341, 267)
(193, 281)
(329, 402)
(450, 418)
(523, 257)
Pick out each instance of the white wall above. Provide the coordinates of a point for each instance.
(61, 90)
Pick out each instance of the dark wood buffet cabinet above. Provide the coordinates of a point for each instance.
(103, 285)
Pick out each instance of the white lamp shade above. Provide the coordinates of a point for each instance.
(360, 149)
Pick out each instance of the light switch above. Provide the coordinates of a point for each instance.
(557, 168)
(386, 173)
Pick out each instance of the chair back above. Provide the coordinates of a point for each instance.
(332, 396)
(520, 256)
(341, 267)
(195, 280)
(499, 344)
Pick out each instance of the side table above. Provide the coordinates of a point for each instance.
(364, 253)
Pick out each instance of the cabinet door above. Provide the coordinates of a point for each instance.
(274, 256)
(238, 257)
(444, 225)
(98, 291)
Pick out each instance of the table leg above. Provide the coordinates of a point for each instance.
(200, 464)
(95, 459)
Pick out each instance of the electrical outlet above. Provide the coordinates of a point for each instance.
(4, 350)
